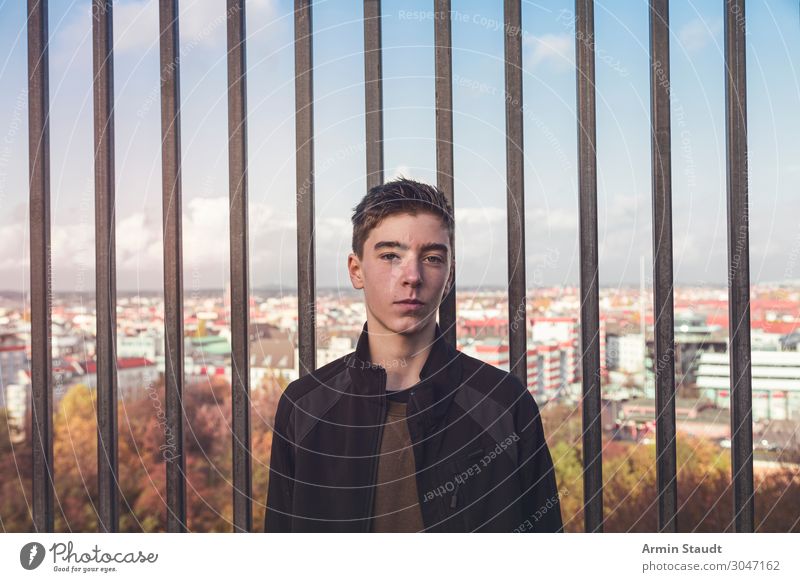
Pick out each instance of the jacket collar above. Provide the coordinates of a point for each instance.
(439, 377)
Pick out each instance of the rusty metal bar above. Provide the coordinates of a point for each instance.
(373, 83)
(664, 330)
(589, 272)
(41, 286)
(173, 264)
(515, 191)
(240, 287)
(304, 132)
(739, 266)
(105, 261)
(444, 142)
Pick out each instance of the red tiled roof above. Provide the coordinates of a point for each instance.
(17, 348)
(490, 348)
(122, 364)
(779, 327)
(486, 322)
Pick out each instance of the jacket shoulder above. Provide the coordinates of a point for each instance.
(305, 400)
(490, 380)
(302, 386)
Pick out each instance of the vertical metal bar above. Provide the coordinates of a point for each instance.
(304, 131)
(739, 266)
(240, 287)
(173, 263)
(41, 287)
(590, 297)
(515, 191)
(664, 333)
(444, 143)
(105, 260)
(373, 83)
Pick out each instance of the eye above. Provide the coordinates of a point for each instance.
(437, 258)
(388, 255)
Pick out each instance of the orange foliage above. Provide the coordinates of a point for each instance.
(145, 447)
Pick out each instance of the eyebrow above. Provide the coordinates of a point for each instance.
(393, 244)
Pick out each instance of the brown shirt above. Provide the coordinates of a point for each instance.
(396, 507)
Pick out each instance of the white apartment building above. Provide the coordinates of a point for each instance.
(776, 383)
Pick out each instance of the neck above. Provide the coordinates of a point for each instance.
(401, 355)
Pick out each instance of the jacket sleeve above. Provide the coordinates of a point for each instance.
(541, 507)
(278, 516)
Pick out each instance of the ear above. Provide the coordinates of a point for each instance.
(355, 272)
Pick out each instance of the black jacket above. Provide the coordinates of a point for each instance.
(481, 458)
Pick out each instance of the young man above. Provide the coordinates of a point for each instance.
(407, 434)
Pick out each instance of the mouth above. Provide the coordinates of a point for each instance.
(410, 305)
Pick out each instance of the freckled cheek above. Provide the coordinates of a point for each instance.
(395, 272)
(384, 278)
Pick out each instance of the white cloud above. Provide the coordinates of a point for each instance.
(553, 220)
(556, 49)
(135, 26)
(486, 217)
(136, 23)
(138, 242)
(13, 241)
(625, 234)
(696, 34)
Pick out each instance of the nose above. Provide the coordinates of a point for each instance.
(412, 274)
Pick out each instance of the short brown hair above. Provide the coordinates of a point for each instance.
(399, 196)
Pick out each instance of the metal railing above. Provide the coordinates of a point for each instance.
(103, 63)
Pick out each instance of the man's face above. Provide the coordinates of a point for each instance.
(405, 257)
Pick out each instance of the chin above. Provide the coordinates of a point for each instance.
(413, 324)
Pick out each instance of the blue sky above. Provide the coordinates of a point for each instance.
(550, 131)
